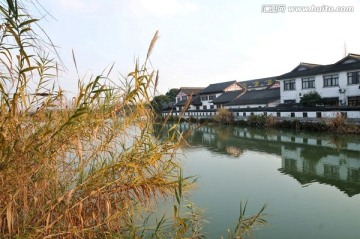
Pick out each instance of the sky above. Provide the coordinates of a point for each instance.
(201, 41)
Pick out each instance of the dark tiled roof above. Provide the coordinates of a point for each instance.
(257, 83)
(217, 88)
(181, 103)
(191, 90)
(305, 65)
(227, 97)
(321, 70)
(350, 56)
(196, 100)
(325, 69)
(257, 97)
(168, 106)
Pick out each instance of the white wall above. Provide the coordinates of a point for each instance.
(326, 92)
(208, 103)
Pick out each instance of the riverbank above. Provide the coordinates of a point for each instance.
(339, 124)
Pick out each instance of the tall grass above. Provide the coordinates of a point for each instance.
(91, 168)
(85, 169)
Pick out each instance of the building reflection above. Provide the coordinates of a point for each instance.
(308, 158)
(309, 164)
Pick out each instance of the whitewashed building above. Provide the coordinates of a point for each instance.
(213, 91)
(183, 96)
(338, 83)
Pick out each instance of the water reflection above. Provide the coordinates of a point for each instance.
(306, 157)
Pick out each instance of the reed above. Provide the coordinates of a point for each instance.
(89, 167)
(82, 169)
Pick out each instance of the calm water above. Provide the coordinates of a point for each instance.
(311, 181)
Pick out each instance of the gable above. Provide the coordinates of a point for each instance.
(217, 88)
(305, 66)
(350, 58)
(348, 61)
(181, 93)
(233, 87)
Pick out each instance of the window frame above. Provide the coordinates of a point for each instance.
(350, 75)
(289, 85)
(212, 97)
(204, 97)
(309, 82)
(333, 78)
(353, 100)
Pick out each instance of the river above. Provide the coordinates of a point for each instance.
(311, 181)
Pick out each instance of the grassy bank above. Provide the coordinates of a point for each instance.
(339, 124)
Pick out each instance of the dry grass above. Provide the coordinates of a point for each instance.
(89, 169)
(85, 170)
(340, 125)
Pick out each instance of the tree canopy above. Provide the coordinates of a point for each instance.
(311, 99)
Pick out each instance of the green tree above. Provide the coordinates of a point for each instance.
(171, 94)
(311, 99)
(158, 102)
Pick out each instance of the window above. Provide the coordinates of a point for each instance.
(211, 106)
(331, 80)
(289, 85)
(331, 171)
(184, 97)
(353, 77)
(305, 115)
(353, 101)
(212, 97)
(204, 97)
(353, 175)
(178, 99)
(308, 82)
(197, 107)
(292, 114)
(204, 107)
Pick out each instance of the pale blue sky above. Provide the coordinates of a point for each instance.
(201, 41)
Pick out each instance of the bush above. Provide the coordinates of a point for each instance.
(339, 125)
(223, 116)
(271, 121)
(193, 120)
(204, 120)
(311, 99)
(257, 121)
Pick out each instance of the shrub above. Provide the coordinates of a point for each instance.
(203, 120)
(257, 121)
(311, 99)
(193, 120)
(271, 121)
(339, 125)
(223, 116)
